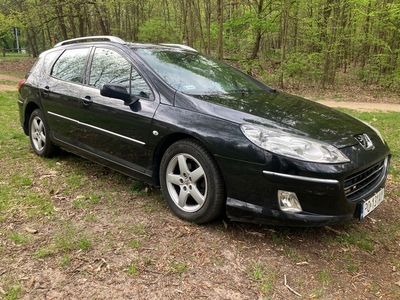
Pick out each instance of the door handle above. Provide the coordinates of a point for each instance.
(87, 100)
(46, 90)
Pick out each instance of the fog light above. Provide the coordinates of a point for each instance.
(288, 201)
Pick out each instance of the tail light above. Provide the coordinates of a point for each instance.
(21, 83)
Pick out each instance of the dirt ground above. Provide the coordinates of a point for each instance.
(139, 250)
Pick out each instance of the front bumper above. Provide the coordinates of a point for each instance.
(245, 212)
(323, 200)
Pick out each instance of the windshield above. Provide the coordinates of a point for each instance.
(194, 73)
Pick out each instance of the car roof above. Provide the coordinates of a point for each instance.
(117, 40)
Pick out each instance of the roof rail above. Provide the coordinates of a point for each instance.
(180, 46)
(92, 39)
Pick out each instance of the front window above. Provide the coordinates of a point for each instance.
(194, 73)
(110, 67)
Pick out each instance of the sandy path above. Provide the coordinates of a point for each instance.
(362, 106)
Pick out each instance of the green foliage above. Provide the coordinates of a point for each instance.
(157, 31)
(299, 41)
(297, 68)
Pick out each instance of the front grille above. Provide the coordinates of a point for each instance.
(359, 184)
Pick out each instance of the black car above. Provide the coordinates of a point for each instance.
(216, 140)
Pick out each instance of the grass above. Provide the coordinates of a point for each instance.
(11, 56)
(71, 238)
(135, 244)
(12, 291)
(43, 253)
(132, 269)
(178, 267)
(264, 276)
(93, 222)
(65, 261)
(325, 276)
(18, 238)
(358, 238)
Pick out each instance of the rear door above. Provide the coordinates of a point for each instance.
(111, 129)
(60, 93)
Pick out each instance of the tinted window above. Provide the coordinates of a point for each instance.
(110, 67)
(193, 73)
(70, 65)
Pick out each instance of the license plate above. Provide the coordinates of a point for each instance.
(370, 204)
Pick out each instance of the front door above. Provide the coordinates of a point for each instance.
(109, 128)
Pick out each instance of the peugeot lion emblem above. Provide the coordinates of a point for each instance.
(365, 141)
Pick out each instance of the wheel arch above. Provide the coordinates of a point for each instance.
(160, 149)
(30, 107)
(164, 144)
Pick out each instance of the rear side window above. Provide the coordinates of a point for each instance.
(70, 65)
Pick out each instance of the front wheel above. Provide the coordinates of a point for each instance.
(39, 135)
(191, 182)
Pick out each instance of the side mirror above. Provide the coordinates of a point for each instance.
(118, 91)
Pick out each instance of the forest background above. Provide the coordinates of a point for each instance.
(291, 44)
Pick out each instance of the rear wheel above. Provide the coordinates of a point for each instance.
(191, 182)
(39, 135)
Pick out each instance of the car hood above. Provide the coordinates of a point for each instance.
(287, 112)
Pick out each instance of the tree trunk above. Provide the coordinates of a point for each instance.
(284, 32)
(258, 36)
(220, 17)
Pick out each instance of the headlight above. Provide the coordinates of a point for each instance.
(290, 145)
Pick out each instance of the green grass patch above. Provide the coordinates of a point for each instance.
(139, 229)
(325, 276)
(12, 291)
(359, 238)
(10, 56)
(132, 269)
(70, 237)
(65, 261)
(18, 238)
(44, 252)
(135, 244)
(178, 267)
(264, 276)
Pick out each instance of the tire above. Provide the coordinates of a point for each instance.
(39, 135)
(191, 182)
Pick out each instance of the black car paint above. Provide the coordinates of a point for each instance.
(172, 115)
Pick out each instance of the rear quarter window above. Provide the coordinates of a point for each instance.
(70, 65)
(49, 59)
